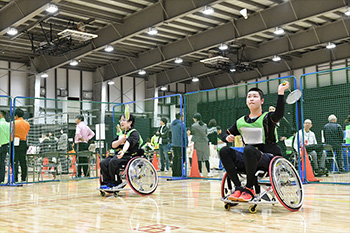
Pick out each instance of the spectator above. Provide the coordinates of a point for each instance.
(20, 144)
(199, 131)
(190, 146)
(147, 147)
(179, 144)
(155, 141)
(347, 128)
(221, 144)
(333, 135)
(4, 143)
(213, 142)
(163, 133)
(312, 148)
(62, 144)
(46, 144)
(81, 143)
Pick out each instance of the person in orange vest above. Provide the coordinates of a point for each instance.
(20, 144)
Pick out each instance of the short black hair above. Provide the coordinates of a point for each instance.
(178, 115)
(212, 123)
(80, 117)
(261, 93)
(197, 116)
(19, 112)
(131, 118)
(164, 120)
(3, 113)
(218, 127)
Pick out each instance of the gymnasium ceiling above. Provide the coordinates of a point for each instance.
(183, 31)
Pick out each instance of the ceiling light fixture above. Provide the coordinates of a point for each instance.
(195, 79)
(223, 46)
(73, 63)
(232, 69)
(330, 45)
(347, 11)
(142, 72)
(152, 31)
(12, 31)
(51, 8)
(178, 60)
(278, 31)
(208, 10)
(244, 13)
(276, 58)
(44, 75)
(109, 48)
(110, 82)
(163, 88)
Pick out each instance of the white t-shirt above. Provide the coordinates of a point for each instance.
(309, 138)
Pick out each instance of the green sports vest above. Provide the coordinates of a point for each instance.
(347, 133)
(140, 138)
(243, 126)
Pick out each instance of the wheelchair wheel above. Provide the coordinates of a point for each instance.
(227, 186)
(141, 176)
(286, 183)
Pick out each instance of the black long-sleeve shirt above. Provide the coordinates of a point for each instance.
(269, 124)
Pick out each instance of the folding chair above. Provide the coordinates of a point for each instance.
(329, 148)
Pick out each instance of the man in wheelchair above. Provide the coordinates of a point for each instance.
(126, 145)
(258, 133)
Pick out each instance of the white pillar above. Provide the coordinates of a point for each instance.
(37, 101)
(104, 98)
(156, 119)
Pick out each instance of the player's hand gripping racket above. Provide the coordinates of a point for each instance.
(293, 96)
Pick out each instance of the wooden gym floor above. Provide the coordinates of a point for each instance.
(176, 206)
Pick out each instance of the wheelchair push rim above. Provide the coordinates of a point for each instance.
(286, 183)
(141, 176)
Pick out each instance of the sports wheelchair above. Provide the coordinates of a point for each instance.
(140, 175)
(284, 186)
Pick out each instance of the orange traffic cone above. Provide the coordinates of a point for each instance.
(74, 168)
(194, 169)
(155, 161)
(309, 172)
(98, 162)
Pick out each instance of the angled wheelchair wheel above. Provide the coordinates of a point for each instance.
(141, 176)
(227, 186)
(286, 183)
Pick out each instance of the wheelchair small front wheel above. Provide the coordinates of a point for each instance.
(253, 209)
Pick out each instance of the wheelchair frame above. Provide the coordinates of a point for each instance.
(140, 175)
(284, 186)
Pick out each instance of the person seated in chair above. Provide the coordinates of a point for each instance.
(126, 145)
(312, 148)
(258, 132)
(333, 135)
